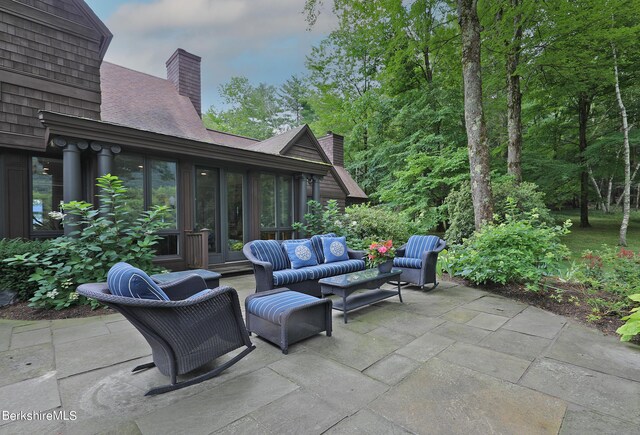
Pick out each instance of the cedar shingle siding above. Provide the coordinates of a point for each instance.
(305, 149)
(44, 66)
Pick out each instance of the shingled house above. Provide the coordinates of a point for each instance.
(67, 117)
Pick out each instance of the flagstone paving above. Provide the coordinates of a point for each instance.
(452, 360)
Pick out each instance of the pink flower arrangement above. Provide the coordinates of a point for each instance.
(380, 252)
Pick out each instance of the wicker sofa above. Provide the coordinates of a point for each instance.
(272, 268)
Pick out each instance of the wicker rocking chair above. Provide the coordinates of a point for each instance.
(191, 329)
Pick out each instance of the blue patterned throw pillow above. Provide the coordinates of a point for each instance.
(125, 280)
(300, 254)
(334, 249)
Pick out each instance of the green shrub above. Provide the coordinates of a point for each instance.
(107, 236)
(518, 250)
(459, 206)
(365, 224)
(322, 220)
(632, 326)
(361, 224)
(615, 271)
(16, 276)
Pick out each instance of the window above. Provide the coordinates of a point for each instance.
(276, 207)
(151, 182)
(46, 193)
(207, 204)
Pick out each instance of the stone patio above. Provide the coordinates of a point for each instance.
(454, 360)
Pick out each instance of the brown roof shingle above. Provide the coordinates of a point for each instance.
(142, 101)
(276, 144)
(230, 140)
(353, 190)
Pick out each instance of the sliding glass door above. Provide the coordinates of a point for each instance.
(234, 191)
(219, 207)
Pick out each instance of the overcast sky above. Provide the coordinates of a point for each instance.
(264, 40)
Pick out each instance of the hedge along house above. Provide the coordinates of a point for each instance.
(67, 117)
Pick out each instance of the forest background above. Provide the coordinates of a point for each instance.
(555, 79)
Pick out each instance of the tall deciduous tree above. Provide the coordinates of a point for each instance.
(514, 96)
(252, 111)
(477, 143)
(626, 203)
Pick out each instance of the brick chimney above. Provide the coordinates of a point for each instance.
(333, 145)
(183, 70)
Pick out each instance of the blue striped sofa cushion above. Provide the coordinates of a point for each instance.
(316, 243)
(413, 263)
(336, 268)
(292, 276)
(272, 307)
(271, 252)
(125, 280)
(418, 244)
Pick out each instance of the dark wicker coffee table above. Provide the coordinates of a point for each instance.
(370, 279)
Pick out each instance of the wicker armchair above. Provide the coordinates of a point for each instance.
(417, 259)
(193, 328)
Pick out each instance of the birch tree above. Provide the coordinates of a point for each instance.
(626, 203)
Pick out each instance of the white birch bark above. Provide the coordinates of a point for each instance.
(626, 203)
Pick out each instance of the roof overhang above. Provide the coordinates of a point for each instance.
(105, 34)
(58, 124)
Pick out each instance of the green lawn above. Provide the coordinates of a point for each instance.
(605, 228)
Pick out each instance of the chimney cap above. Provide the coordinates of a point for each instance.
(184, 53)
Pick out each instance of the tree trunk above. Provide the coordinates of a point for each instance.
(609, 193)
(603, 205)
(638, 198)
(626, 203)
(514, 100)
(584, 106)
(633, 177)
(477, 143)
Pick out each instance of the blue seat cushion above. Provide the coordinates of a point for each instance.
(412, 263)
(272, 307)
(300, 253)
(337, 268)
(418, 244)
(271, 252)
(292, 276)
(334, 249)
(316, 242)
(125, 280)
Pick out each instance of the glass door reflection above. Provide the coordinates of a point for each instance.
(207, 208)
(235, 217)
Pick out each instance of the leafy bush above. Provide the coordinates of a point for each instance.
(459, 206)
(632, 326)
(518, 250)
(321, 220)
(16, 276)
(365, 224)
(361, 224)
(615, 271)
(107, 236)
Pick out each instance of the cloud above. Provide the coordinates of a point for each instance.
(266, 41)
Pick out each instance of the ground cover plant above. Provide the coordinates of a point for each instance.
(103, 237)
